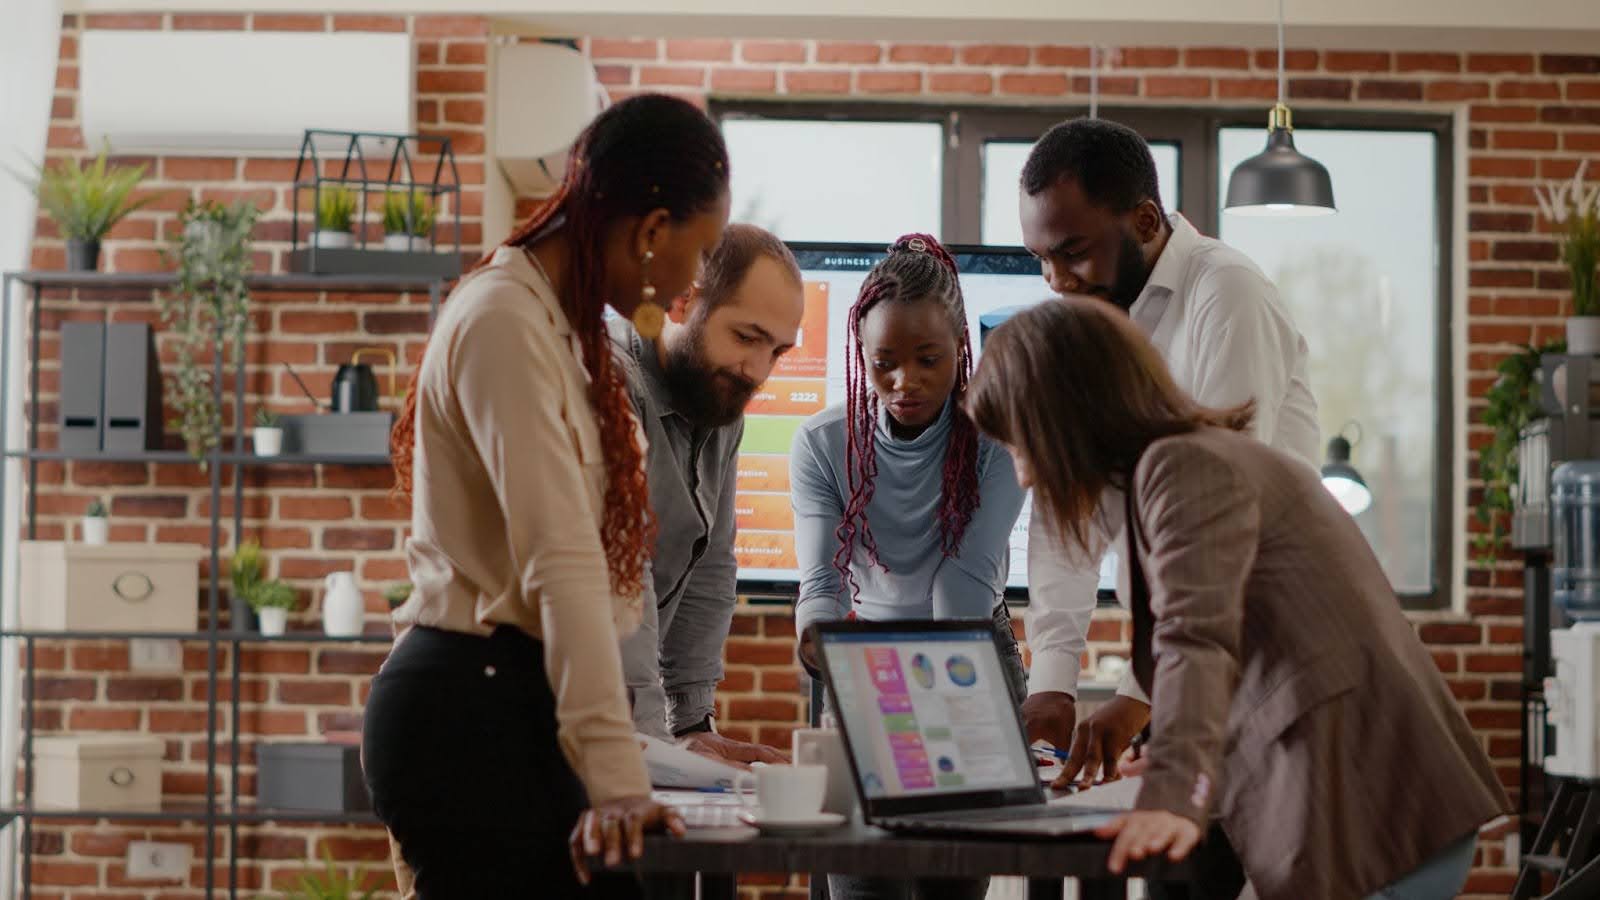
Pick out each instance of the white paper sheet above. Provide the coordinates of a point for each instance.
(672, 766)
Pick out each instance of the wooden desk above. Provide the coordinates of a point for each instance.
(718, 855)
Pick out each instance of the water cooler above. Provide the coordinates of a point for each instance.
(1572, 691)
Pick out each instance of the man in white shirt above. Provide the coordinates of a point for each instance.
(1091, 213)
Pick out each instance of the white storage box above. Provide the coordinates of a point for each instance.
(114, 587)
(98, 771)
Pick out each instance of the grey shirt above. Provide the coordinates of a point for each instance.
(674, 661)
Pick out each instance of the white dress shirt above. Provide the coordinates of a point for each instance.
(1226, 337)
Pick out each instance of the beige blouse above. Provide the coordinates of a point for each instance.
(507, 505)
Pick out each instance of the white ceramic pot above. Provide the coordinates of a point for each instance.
(1583, 335)
(401, 243)
(268, 441)
(344, 613)
(333, 240)
(274, 621)
(96, 530)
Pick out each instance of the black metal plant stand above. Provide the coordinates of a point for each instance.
(359, 170)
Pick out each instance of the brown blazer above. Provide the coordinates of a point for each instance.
(1292, 699)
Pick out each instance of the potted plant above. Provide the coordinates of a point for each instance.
(408, 221)
(245, 571)
(267, 435)
(1513, 402)
(1575, 209)
(212, 253)
(272, 599)
(332, 884)
(397, 595)
(96, 525)
(336, 211)
(85, 200)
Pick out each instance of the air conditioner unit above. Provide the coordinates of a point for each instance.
(545, 95)
(232, 93)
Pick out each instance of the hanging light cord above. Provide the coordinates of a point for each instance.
(1094, 80)
(1280, 53)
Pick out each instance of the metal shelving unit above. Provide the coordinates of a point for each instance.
(214, 813)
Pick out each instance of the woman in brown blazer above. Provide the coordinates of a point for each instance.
(1291, 700)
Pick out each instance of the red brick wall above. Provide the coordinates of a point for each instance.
(1530, 118)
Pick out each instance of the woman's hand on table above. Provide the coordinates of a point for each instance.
(618, 827)
(1146, 833)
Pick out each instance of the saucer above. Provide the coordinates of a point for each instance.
(816, 822)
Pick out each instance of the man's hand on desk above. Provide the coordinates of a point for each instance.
(1049, 716)
(610, 830)
(1100, 739)
(728, 750)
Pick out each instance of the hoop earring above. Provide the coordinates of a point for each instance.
(648, 316)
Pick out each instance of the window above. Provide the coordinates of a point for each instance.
(1002, 171)
(837, 181)
(1364, 291)
(1369, 287)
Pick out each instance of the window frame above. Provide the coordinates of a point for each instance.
(967, 127)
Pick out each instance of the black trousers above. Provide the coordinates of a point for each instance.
(461, 758)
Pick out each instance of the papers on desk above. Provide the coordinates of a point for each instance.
(672, 766)
(1118, 794)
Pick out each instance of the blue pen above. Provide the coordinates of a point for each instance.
(1051, 751)
(716, 790)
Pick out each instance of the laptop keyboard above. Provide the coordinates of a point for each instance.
(954, 820)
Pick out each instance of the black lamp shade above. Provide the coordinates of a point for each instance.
(1343, 481)
(1280, 181)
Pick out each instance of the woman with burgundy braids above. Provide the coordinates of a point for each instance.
(902, 509)
(501, 715)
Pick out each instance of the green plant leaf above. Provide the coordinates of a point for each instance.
(86, 198)
(1513, 402)
(272, 594)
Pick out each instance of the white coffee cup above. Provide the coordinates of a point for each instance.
(825, 747)
(785, 792)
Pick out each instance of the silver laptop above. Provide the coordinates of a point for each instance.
(934, 736)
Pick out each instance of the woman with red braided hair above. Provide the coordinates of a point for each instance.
(501, 712)
(902, 509)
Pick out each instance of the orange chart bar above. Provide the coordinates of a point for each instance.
(763, 512)
(765, 550)
(763, 473)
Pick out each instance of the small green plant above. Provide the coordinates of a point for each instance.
(336, 208)
(97, 509)
(408, 213)
(1576, 208)
(266, 418)
(247, 568)
(86, 198)
(1513, 403)
(398, 594)
(331, 884)
(272, 594)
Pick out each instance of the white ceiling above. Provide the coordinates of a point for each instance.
(1559, 26)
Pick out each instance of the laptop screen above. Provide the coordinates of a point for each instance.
(927, 712)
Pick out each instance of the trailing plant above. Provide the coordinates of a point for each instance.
(1576, 208)
(408, 213)
(1513, 403)
(85, 198)
(336, 208)
(209, 307)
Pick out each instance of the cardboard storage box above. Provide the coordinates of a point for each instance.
(112, 587)
(316, 777)
(98, 772)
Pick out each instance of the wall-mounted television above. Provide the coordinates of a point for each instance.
(995, 282)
